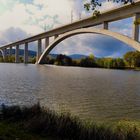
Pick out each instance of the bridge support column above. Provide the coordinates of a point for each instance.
(55, 36)
(136, 27)
(17, 54)
(4, 54)
(39, 49)
(105, 25)
(10, 51)
(46, 42)
(26, 53)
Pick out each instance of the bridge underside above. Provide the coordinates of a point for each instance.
(123, 38)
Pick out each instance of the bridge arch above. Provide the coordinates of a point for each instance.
(122, 38)
(1, 51)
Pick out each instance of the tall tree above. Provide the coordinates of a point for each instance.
(132, 59)
(88, 61)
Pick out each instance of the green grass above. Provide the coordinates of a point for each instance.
(11, 131)
(36, 123)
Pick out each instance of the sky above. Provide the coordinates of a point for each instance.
(23, 18)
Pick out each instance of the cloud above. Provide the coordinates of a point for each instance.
(17, 17)
(11, 35)
(108, 5)
(32, 16)
(122, 26)
(14, 34)
(23, 18)
(99, 45)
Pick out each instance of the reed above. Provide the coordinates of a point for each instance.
(46, 123)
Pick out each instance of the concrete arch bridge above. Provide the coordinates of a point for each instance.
(80, 27)
(1, 53)
(123, 38)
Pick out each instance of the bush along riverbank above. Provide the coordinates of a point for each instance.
(38, 123)
(131, 60)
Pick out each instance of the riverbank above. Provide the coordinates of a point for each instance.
(36, 123)
(125, 69)
(53, 65)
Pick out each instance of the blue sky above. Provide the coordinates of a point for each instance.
(24, 18)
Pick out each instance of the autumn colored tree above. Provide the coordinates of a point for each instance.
(132, 59)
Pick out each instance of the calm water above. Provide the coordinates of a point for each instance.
(98, 94)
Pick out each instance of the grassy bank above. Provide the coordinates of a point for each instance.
(36, 123)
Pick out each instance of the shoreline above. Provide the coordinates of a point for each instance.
(129, 69)
(35, 122)
(125, 69)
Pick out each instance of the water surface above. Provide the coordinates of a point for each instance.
(98, 94)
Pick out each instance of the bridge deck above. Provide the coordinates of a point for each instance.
(113, 15)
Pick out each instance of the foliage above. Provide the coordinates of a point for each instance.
(9, 131)
(50, 60)
(132, 59)
(88, 61)
(117, 63)
(42, 122)
(137, 22)
(11, 59)
(1, 59)
(129, 60)
(93, 4)
(32, 60)
(61, 59)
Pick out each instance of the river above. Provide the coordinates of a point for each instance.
(90, 93)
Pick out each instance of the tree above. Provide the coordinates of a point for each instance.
(116, 63)
(1, 59)
(33, 60)
(120, 63)
(132, 59)
(91, 56)
(137, 59)
(93, 4)
(88, 61)
(128, 57)
(63, 60)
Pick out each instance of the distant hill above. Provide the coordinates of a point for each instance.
(77, 56)
(30, 53)
(21, 52)
(53, 56)
(73, 56)
(33, 54)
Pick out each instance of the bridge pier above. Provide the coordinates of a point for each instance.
(136, 27)
(26, 53)
(4, 54)
(17, 54)
(56, 36)
(46, 42)
(10, 51)
(105, 25)
(39, 49)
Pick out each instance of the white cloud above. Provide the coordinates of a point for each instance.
(108, 5)
(72, 46)
(36, 14)
(31, 18)
(11, 35)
